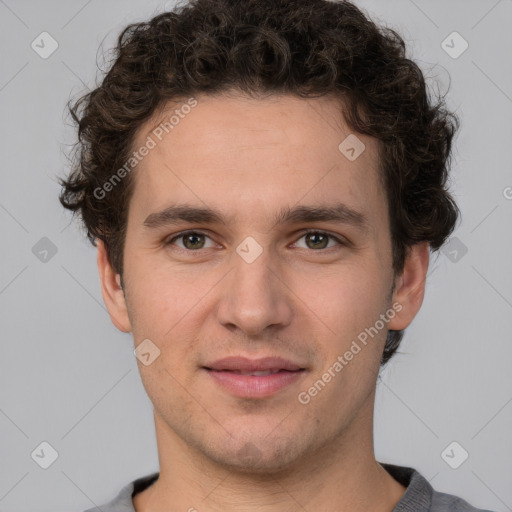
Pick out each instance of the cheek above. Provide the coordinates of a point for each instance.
(165, 308)
(348, 303)
(346, 299)
(164, 299)
(346, 306)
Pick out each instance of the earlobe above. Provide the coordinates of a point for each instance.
(111, 290)
(410, 286)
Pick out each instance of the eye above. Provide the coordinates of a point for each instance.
(319, 240)
(195, 240)
(191, 240)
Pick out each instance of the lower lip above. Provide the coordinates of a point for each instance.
(254, 386)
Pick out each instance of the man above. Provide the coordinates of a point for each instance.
(264, 181)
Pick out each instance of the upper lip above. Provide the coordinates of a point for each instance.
(248, 365)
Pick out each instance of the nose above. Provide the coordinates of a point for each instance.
(254, 296)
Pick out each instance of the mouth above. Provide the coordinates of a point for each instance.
(256, 373)
(261, 378)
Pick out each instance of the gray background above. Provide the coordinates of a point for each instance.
(69, 378)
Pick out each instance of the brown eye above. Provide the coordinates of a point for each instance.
(191, 241)
(318, 240)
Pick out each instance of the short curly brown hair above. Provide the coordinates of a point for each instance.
(304, 48)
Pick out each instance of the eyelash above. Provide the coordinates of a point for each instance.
(311, 231)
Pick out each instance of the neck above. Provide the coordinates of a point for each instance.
(342, 475)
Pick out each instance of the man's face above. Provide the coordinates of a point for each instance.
(305, 298)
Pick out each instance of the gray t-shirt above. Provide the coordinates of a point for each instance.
(419, 496)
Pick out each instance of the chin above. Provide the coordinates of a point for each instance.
(260, 455)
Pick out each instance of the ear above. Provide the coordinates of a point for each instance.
(410, 286)
(113, 294)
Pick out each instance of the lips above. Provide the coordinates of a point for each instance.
(257, 373)
(254, 378)
(245, 366)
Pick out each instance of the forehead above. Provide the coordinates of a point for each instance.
(254, 153)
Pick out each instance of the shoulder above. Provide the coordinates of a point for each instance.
(123, 501)
(420, 496)
(442, 502)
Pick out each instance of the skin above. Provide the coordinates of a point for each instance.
(248, 158)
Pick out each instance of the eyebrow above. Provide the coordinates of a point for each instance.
(340, 213)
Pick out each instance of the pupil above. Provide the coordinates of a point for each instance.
(316, 236)
(190, 243)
